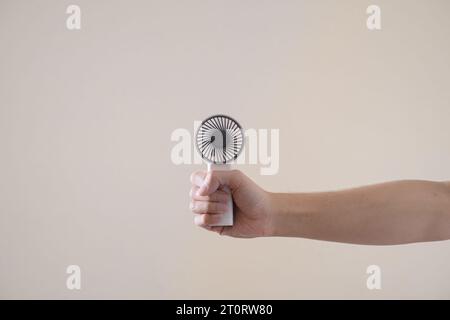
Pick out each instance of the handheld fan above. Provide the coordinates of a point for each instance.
(219, 140)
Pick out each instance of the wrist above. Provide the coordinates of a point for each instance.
(292, 215)
(272, 223)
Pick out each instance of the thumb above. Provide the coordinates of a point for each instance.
(216, 178)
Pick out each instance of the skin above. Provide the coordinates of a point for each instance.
(389, 213)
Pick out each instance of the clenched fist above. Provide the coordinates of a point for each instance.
(252, 205)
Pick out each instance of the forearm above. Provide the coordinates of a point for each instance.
(388, 213)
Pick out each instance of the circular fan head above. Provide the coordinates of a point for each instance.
(219, 139)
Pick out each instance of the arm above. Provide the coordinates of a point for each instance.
(388, 213)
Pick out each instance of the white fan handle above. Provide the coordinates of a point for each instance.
(227, 218)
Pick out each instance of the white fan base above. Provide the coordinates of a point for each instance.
(227, 218)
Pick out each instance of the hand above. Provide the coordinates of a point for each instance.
(252, 205)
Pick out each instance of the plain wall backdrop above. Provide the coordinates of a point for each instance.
(86, 117)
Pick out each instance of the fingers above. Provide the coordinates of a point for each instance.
(202, 207)
(209, 182)
(218, 229)
(206, 220)
(209, 200)
(218, 196)
(197, 178)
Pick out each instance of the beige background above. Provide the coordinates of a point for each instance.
(86, 118)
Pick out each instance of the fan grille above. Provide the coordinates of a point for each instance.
(219, 139)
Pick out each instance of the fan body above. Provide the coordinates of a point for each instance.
(219, 141)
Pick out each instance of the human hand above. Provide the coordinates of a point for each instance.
(252, 205)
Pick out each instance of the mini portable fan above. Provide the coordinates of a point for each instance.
(219, 140)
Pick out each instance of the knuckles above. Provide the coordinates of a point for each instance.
(205, 207)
